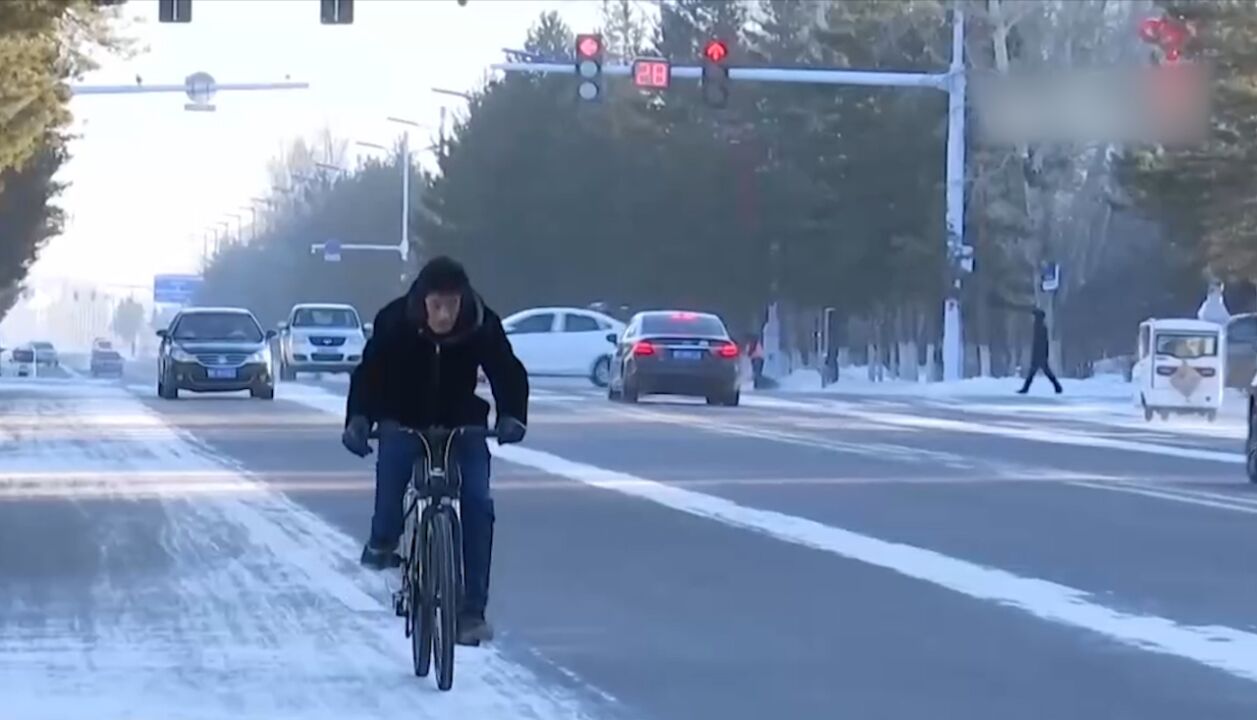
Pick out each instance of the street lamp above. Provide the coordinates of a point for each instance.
(454, 93)
(239, 226)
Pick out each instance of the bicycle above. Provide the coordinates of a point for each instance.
(431, 548)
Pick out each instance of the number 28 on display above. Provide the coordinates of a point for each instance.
(653, 74)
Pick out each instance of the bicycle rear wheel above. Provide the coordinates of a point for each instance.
(444, 574)
(420, 599)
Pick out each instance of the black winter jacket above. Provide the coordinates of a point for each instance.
(1039, 343)
(412, 378)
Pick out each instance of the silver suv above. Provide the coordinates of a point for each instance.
(320, 337)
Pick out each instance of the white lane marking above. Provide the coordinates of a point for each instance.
(1223, 648)
(329, 402)
(1052, 436)
(1179, 495)
(255, 609)
(881, 451)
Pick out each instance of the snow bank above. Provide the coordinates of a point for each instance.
(854, 380)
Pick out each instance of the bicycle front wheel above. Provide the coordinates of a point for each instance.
(419, 582)
(444, 574)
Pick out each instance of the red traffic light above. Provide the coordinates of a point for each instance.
(588, 46)
(715, 51)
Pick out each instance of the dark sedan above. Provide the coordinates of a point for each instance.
(215, 350)
(676, 353)
(106, 362)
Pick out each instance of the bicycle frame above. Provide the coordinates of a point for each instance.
(436, 479)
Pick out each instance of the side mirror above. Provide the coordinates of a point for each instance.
(163, 334)
(270, 334)
(613, 338)
(282, 326)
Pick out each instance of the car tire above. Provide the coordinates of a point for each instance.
(600, 374)
(167, 390)
(266, 392)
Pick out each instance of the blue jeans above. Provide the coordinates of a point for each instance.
(398, 451)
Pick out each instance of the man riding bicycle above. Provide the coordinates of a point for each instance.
(418, 370)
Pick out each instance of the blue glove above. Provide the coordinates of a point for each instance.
(509, 430)
(355, 437)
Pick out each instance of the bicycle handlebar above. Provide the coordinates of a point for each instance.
(476, 431)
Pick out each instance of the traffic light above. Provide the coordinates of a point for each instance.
(174, 11)
(589, 66)
(715, 81)
(336, 12)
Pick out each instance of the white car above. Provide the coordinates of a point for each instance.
(320, 337)
(18, 361)
(564, 342)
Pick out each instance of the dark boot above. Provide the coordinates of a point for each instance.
(380, 558)
(473, 629)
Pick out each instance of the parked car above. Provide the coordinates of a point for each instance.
(215, 350)
(676, 352)
(106, 362)
(1241, 351)
(320, 337)
(564, 342)
(45, 354)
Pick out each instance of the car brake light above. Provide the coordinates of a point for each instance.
(683, 316)
(726, 350)
(643, 348)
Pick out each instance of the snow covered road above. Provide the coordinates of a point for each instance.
(799, 557)
(134, 589)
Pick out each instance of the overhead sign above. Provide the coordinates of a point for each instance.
(331, 251)
(1050, 277)
(1167, 104)
(175, 289)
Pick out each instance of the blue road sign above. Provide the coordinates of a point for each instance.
(331, 251)
(175, 289)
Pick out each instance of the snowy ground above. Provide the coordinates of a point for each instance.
(1107, 399)
(176, 586)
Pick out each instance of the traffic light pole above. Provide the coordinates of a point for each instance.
(952, 82)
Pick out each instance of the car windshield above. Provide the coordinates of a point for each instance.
(682, 323)
(1187, 346)
(325, 318)
(218, 326)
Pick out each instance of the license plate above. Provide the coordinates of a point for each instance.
(687, 354)
(222, 373)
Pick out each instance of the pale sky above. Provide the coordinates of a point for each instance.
(149, 178)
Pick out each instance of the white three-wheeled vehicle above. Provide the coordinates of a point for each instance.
(1181, 368)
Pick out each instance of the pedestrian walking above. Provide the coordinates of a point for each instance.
(1039, 355)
